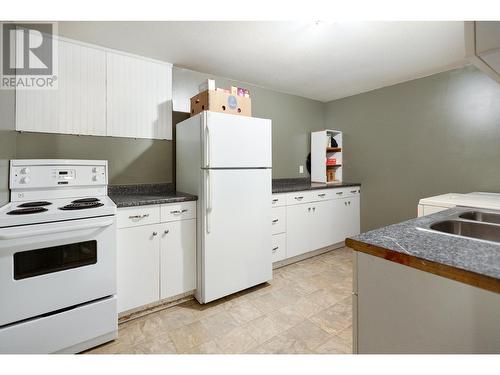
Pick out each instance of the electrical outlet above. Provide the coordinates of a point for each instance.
(301, 169)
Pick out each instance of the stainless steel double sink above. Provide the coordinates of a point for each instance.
(477, 224)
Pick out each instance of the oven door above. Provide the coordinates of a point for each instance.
(54, 266)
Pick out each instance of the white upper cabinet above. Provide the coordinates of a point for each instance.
(101, 92)
(139, 97)
(78, 105)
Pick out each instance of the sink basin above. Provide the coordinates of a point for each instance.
(477, 230)
(486, 217)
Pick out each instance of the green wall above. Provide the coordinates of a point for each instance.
(420, 138)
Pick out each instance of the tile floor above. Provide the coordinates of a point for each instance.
(307, 308)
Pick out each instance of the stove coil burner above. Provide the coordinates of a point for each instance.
(86, 200)
(34, 204)
(81, 205)
(26, 211)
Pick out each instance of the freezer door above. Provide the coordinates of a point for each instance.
(231, 141)
(236, 234)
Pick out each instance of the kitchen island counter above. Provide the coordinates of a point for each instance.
(418, 291)
(411, 243)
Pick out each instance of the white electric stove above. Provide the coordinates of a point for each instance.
(57, 258)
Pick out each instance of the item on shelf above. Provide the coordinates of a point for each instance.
(333, 142)
(330, 175)
(331, 161)
(221, 100)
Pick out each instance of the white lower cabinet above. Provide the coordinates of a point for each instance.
(155, 261)
(351, 216)
(316, 219)
(178, 258)
(299, 231)
(138, 271)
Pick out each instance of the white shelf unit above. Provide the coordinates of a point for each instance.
(321, 152)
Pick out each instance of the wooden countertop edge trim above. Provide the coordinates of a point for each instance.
(467, 277)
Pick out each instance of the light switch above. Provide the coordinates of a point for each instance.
(301, 169)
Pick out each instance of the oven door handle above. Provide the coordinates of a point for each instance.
(24, 233)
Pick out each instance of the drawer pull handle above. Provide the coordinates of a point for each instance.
(299, 198)
(275, 248)
(349, 203)
(354, 191)
(138, 216)
(321, 195)
(154, 234)
(275, 200)
(178, 212)
(309, 209)
(275, 221)
(314, 208)
(339, 193)
(166, 231)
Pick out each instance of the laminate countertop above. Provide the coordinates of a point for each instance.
(412, 243)
(288, 185)
(147, 194)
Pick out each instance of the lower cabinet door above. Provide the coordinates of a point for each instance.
(352, 217)
(178, 258)
(138, 266)
(298, 233)
(321, 225)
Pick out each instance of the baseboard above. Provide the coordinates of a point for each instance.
(154, 307)
(310, 254)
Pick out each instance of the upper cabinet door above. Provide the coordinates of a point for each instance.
(78, 105)
(139, 97)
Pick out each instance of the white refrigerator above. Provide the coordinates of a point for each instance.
(226, 161)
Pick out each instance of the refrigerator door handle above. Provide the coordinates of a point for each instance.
(208, 200)
(207, 147)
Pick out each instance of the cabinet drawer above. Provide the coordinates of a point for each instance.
(346, 192)
(279, 247)
(324, 194)
(278, 200)
(299, 197)
(135, 216)
(278, 220)
(178, 211)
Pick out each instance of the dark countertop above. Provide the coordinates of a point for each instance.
(288, 185)
(412, 244)
(145, 194)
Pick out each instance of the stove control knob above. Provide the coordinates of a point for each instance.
(25, 180)
(94, 169)
(94, 178)
(25, 170)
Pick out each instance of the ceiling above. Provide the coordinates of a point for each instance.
(318, 60)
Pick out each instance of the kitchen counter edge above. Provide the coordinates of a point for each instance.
(418, 256)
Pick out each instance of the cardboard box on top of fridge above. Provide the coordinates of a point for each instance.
(235, 101)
